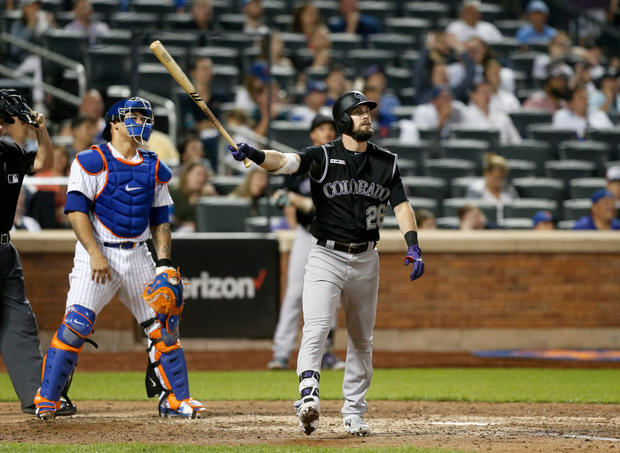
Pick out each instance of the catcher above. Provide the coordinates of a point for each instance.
(117, 198)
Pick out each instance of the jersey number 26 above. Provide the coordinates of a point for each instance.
(375, 216)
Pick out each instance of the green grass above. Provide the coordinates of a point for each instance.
(143, 448)
(445, 384)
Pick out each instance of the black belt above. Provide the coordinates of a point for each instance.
(5, 238)
(355, 247)
(123, 245)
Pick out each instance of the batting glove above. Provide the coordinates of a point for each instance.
(414, 255)
(243, 151)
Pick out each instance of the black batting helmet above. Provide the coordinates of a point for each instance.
(343, 106)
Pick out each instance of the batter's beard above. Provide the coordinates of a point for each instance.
(362, 136)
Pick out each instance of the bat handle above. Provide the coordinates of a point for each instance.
(247, 162)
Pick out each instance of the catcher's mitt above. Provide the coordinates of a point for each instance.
(165, 293)
(12, 104)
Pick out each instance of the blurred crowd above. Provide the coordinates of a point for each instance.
(461, 72)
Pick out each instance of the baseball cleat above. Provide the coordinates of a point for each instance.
(169, 406)
(44, 408)
(278, 364)
(330, 361)
(308, 410)
(66, 407)
(355, 425)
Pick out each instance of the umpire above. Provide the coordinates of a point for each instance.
(19, 339)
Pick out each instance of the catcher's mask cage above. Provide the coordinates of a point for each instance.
(129, 111)
(12, 104)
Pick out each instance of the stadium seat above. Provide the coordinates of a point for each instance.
(576, 208)
(267, 206)
(226, 184)
(524, 118)
(415, 27)
(293, 41)
(569, 169)
(490, 136)
(109, 65)
(345, 42)
(105, 7)
(404, 112)
(585, 187)
(232, 22)
(552, 135)
(459, 186)
(530, 150)
(523, 61)
(291, 133)
(431, 11)
(259, 224)
(381, 10)
(361, 59)
(180, 39)
(447, 223)
(566, 224)
(527, 207)
(281, 22)
(425, 187)
(506, 46)
(134, 21)
(609, 136)
(451, 207)
(425, 203)
(178, 21)
(520, 168)
(588, 150)
(69, 43)
(219, 55)
(273, 7)
(156, 79)
(393, 42)
(237, 41)
(178, 53)
(224, 80)
(509, 27)
(389, 223)
(516, 223)
(407, 167)
(549, 188)
(449, 168)
(286, 77)
(42, 208)
(159, 7)
(467, 149)
(116, 37)
(418, 152)
(398, 78)
(221, 214)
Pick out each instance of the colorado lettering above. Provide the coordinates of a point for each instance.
(356, 187)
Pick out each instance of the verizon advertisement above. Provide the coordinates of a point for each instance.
(231, 284)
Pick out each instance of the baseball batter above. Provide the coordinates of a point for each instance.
(322, 130)
(117, 191)
(352, 180)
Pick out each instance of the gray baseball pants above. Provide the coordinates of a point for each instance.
(353, 280)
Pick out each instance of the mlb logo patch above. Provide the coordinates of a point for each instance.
(13, 179)
(337, 161)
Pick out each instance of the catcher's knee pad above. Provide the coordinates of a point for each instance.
(167, 369)
(61, 357)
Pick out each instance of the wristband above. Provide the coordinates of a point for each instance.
(164, 262)
(258, 156)
(411, 237)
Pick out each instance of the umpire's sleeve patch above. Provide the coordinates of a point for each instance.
(91, 161)
(77, 201)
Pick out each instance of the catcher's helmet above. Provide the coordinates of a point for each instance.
(121, 111)
(343, 106)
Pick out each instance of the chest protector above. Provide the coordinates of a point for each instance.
(124, 204)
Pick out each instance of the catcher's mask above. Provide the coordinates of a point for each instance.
(13, 105)
(128, 111)
(343, 106)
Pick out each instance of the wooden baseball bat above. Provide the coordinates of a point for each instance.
(177, 74)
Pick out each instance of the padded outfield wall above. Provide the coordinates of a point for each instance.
(481, 290)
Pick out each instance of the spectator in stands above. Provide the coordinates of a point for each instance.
(537, 31)
(84, 22)
(375, 84)
(494, 186)
(441, 113)
(306, 19)
(337, 83)
(613, 183)
(321, 45)
(254, 20)
(470, 24)
(501, 100)
(559, 51)
(607, 96)
(479, 114)
(83, 132)
(160, 143)
(91, 107)
(254, 81)
(425, 219)
(472, 218)
(192, 151)
(602, 213)
(576, 115)
(239, 125)
(253, 188)
(202, 19)
(193, 184)
(278, 54)
(33, 23)
(352, 21)
(554, 91)
(22, 221)
(314, 104)
(61, 167)
(543, 220)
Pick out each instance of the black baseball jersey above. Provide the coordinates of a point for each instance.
(351, 190)
(15, 162)
(301, 185)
